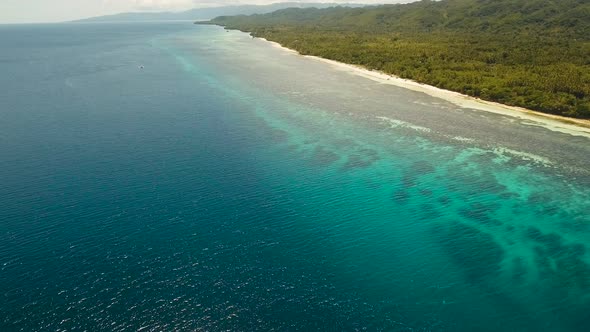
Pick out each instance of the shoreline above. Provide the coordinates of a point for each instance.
(572, 126)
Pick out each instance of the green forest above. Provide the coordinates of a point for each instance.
(528, 53)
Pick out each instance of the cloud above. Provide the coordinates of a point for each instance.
(175, 5)
(150, 5)
(163, 4)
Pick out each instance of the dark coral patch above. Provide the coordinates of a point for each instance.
(507, 195)
(426, 192)
(489, 184)
(533, 233)
(538, 198)
(344, 143)
(477, 252)
(416, 170)
(542, 203)
(518, 269)
(400, 196)
(444, 200)
(428, 212)
(323, 157)
(477, 182)
(356, 161)
(363, 159)
(552, 243)
(422, 167)
(482, 213)
(408, 181)
(561, 263)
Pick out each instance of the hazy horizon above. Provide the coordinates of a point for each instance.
(42, 11)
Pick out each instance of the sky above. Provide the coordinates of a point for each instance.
(36, 11)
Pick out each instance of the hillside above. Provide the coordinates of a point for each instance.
(528, 53)
(205, 13)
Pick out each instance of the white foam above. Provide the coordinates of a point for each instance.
(463, 139)
(503, 152)
(398, 123)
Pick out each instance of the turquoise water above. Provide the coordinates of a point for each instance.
(229, 185)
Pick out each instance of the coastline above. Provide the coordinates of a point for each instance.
(572, 126)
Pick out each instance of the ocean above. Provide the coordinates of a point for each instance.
(173, 177)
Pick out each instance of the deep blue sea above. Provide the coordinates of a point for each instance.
(172, 177)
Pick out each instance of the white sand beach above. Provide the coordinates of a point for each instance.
(578, 127)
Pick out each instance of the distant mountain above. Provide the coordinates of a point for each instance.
(209, 13)
(571, 17)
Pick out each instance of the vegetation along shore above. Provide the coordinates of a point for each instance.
(533, 54)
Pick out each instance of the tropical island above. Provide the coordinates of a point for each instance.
(533, 54)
